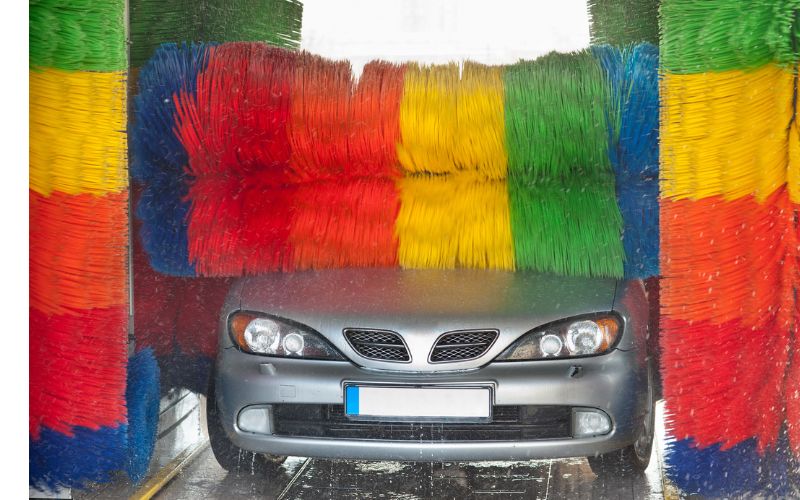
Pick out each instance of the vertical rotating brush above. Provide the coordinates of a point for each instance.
(729, 287)
(78, 235)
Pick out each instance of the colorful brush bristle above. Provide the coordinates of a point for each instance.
(719, 35)
(142, 397)
(92, 348)
(738, 157)
(454, 221)
(255, 80)
(730, 279)
(85, 456)
(156, 148)
(70, 271)
(576, 230)
(77, 35)
(63, 156)
(237, 230)
(429, 119)
(159, 159)
(241, 207)
(375, 120)
(632, 115)
(345, 224)
(480, 139)
(623, 22)
(78, 201)
(555, 118)
(153, 22)
(726, 269)
(711, 471)
(319, 119)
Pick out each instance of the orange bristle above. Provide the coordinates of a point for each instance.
(345, 224)
(78, 251)
(724, 258)
(375, 120)
(319, 121)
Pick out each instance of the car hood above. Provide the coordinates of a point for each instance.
(422, 303)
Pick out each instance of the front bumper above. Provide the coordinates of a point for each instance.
(615, 383)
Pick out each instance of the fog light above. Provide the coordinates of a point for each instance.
(293, 344)
(254, 419)
(586, 423)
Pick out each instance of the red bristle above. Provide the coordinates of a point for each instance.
(345, 224)
(793, 373)
(174, 312)
(78, 251)
(375, 131)
(234, 130)
(793, 389)
(726, 300)
(711, 374)
(236, 229)
(154, 300)
(198, 315)
(77, 369)
(235, 123)
(722, 260)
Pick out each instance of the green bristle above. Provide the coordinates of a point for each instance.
(569, 228)
(623, 22)
(555, 121)
(153, 22)
(86, 35)
(722, 35)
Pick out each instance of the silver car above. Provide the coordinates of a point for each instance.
(460, 365)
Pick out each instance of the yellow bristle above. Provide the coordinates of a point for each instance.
(724, 134)
(450, 124)
(77, 132)
(454, 221)
(428, 119)
(480, 142)
(793, 174)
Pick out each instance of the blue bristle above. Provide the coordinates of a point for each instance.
(164, 226)
(142, 396)
(711, 472)
(638, 203)
(180, 370)
(158, 157)
(638, 135)
(155, 147)
(632, 115)
(60, 461)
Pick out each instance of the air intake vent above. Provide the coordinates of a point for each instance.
(380, 345)
(462, 346)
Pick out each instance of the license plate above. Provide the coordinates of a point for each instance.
(418, 403)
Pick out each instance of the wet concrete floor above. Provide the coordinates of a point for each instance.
(311, 478)
(304, 478)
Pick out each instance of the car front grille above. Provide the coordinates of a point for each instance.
(508, 423)
(462, 346)
(381, 345)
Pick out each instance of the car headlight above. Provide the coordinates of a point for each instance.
(260, 334)
(588, 336)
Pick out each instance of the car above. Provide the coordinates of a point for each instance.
(433, 365)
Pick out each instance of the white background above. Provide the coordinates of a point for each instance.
(438, 31)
